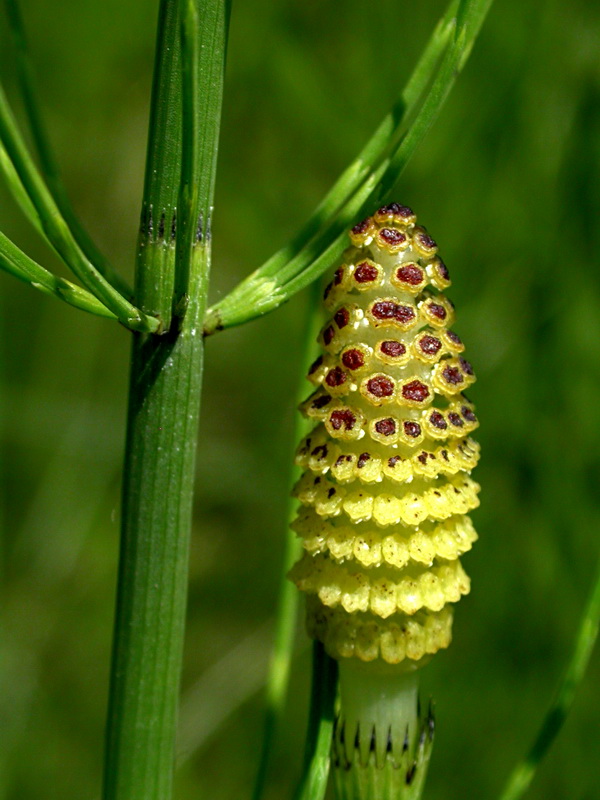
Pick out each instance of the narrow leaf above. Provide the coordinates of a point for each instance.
(14, 261)
(523, 774)
(57, 231)
(50, 170)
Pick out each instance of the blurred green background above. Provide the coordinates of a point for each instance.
(507, 182)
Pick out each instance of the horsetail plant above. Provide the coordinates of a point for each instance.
(386, 486)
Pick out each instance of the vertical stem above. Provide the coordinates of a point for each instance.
(166, 378)
(313, 783)
(375, 700)
(524, 772)
(289, 597)
(158, 225)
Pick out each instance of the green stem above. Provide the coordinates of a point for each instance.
(280, 663)
(17, 263)
(156, 244)
(470, 18)
(48, 162)
(57, 231)
(15, 187)
(287, 608)
(381, 183)
(521, 777)
(382, 741)
(371, 699)
(166, 378)
(317, 757)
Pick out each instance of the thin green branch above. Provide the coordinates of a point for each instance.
(281, 656)
(289, 597)
(14, 261)
(14, 185)
(523, 774)
(293, 257)
(317, 257)
(317, 757)
(380, 186)
(25, 74)
(261, 293)
(470, 18)
(50, 170)
(280, 662)
(385, 135)
(57, 231)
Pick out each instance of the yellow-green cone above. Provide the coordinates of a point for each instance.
(386, 488)
(387, 484)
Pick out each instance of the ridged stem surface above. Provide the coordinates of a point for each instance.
(166, 379)
(165, 385)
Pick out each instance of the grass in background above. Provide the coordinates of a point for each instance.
(506, 183)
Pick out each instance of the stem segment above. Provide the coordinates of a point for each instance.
(313, 783)
(158, 228)
(166, 378)
(382, 741)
